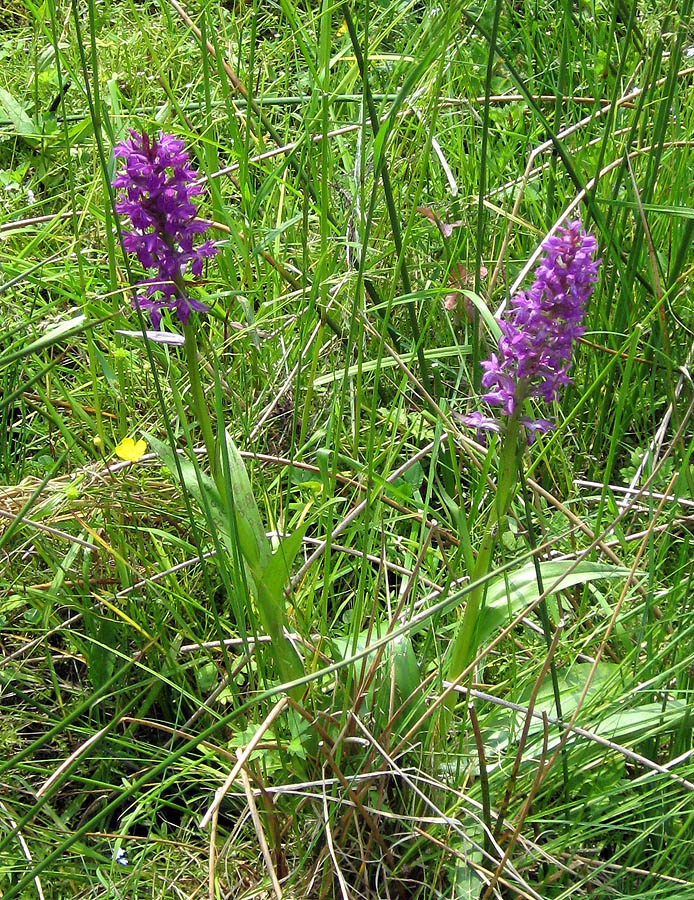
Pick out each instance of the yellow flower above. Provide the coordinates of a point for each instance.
(129, 450)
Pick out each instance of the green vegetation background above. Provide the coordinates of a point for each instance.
(359, 181)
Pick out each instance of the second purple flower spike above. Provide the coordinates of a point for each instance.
(156, 190)
(540, 326)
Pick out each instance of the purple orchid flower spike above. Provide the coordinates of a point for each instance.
(156, 186)
(539, 329)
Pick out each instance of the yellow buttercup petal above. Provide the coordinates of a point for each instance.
(131, 451)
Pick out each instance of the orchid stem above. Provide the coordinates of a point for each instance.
(462, 651)
(197, 399)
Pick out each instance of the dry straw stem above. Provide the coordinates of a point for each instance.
(279, 151)
(601, 865)
(111, 469)
(331, 847)
(579, 100)
(47, 529)
(543, 167)
(37, 220)
(250, 747)
(25, 848)
(212, 815)
(259, 157)
(599, 542)
(424, 685)
(529, 713)
(649, 495)
(326, 745)
(258, 825)
(55, 777)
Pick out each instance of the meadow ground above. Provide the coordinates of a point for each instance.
(275, 621)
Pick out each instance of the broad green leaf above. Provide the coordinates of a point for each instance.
(275, 575)
(626, 727)
(604, 687)
(101, 660)
(200, 486)
(600, 713)
(206, 677)
(646, 720)
(251, 528)
(191, 473)
(249, 545)
(13, 110)
(466, 884)
(80, 131)
(508, 595)
(270, 584)
(397, 662)
(407, 677)
(405, 667)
